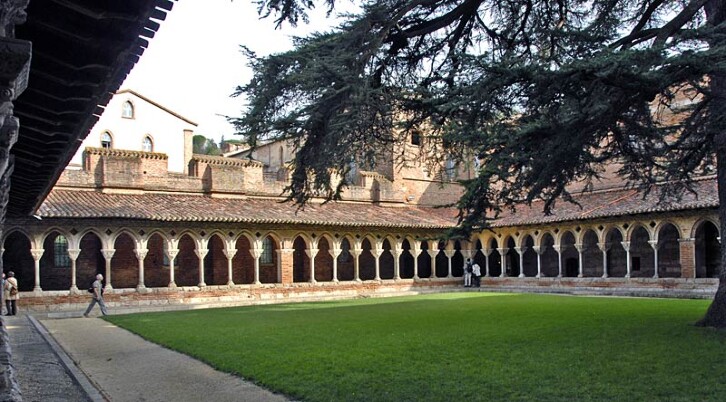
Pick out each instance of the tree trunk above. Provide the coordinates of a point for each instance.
(716, 314)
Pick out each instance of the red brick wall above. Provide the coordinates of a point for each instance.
(90, 261)
(243, 265)
(323, 262)
(301, 261)
(187, 263)
(124, 264)
(155, 273)
(215, 263)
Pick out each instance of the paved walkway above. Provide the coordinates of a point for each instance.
(119, 366)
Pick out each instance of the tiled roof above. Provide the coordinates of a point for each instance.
(611, 203)
(199, 208)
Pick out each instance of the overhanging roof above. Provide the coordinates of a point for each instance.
(82, 52)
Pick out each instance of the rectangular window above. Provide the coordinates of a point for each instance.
(61, 259)
(266, 257)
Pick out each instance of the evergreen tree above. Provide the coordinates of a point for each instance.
(544, 92)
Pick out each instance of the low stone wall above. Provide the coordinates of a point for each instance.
(150, 299)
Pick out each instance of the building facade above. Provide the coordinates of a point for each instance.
(219, 234)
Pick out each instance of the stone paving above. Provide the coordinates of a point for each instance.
(40, 372)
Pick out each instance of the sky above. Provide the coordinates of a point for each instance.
(194, 63)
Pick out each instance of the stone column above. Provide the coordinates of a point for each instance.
(415, 252)
(433, 254)
(230, 253)
(356, 262)
(286, 263)
(449, 254)
(580, 248)
(521, 251)
(626, 246)
(396, 263)
(311, 253)
(73, 254)
(256, 254)
(335, 252)
(538, 250)
(687, 250)
(503, 257)
(604, 247)
(171, 253)
(559, 249)
(377, 253)
(486, 252)
(654, 244)
(108, 255)
(141, 255)
(201, 253)
(37, 254)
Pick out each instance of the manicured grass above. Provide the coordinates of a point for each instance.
(458, 347)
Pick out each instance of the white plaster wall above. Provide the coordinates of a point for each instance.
(165, 130)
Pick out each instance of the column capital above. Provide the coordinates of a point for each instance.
(687, 240)
(626, 245)
(486, 251)
(538, 249)
(604, 247)
(231, 252)
(356, 252)
(201, 252)
(449, 253)
(141, 253)
(503, 251)
(286, 250)
(432, 253)
(256, 252)
(520, 250)
(559, 248)
(73, 253)
(580, 247)
(654, 244)
(335, 252)
(37, 253)
(172, 253)
(108, 253)
(311, 252)
(396, 252)
(377, 252)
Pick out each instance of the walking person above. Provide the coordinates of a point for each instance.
(467, 273)
(476, 272)
(11, 294)
(97, 290)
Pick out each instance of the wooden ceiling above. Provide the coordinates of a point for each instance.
(82, 52)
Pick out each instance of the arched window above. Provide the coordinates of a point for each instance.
(147, 145)
(127, 110)
(266, 257)
(106, 140)
(416, 138)
(61, 259)
(450, 172)
(345, 255)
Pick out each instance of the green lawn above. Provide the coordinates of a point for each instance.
(458, 347)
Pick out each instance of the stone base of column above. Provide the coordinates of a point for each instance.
(142, 289)
(172, 285)
(202, 285)
(521, 276)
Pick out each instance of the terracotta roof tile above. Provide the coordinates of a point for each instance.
(199, 208)
(611, 203)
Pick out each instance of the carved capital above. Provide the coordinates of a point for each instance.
(172, 253)
(626, 245)
(141, 253)
(201, 252)
(256, 252)
(73, 253)
(229, 252)
(37, 253)
(335, 252)
(538, 249)
(520, 250)
(12, 13)
(604, 247)
(108, 253)
(503, 251)
(311, 252)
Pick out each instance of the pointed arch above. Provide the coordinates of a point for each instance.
(17, 258)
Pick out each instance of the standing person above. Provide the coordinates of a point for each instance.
(97, 288)
(467, 273)
(476, 271)
(11, 294)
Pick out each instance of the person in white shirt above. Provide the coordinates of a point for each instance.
(476, 273)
